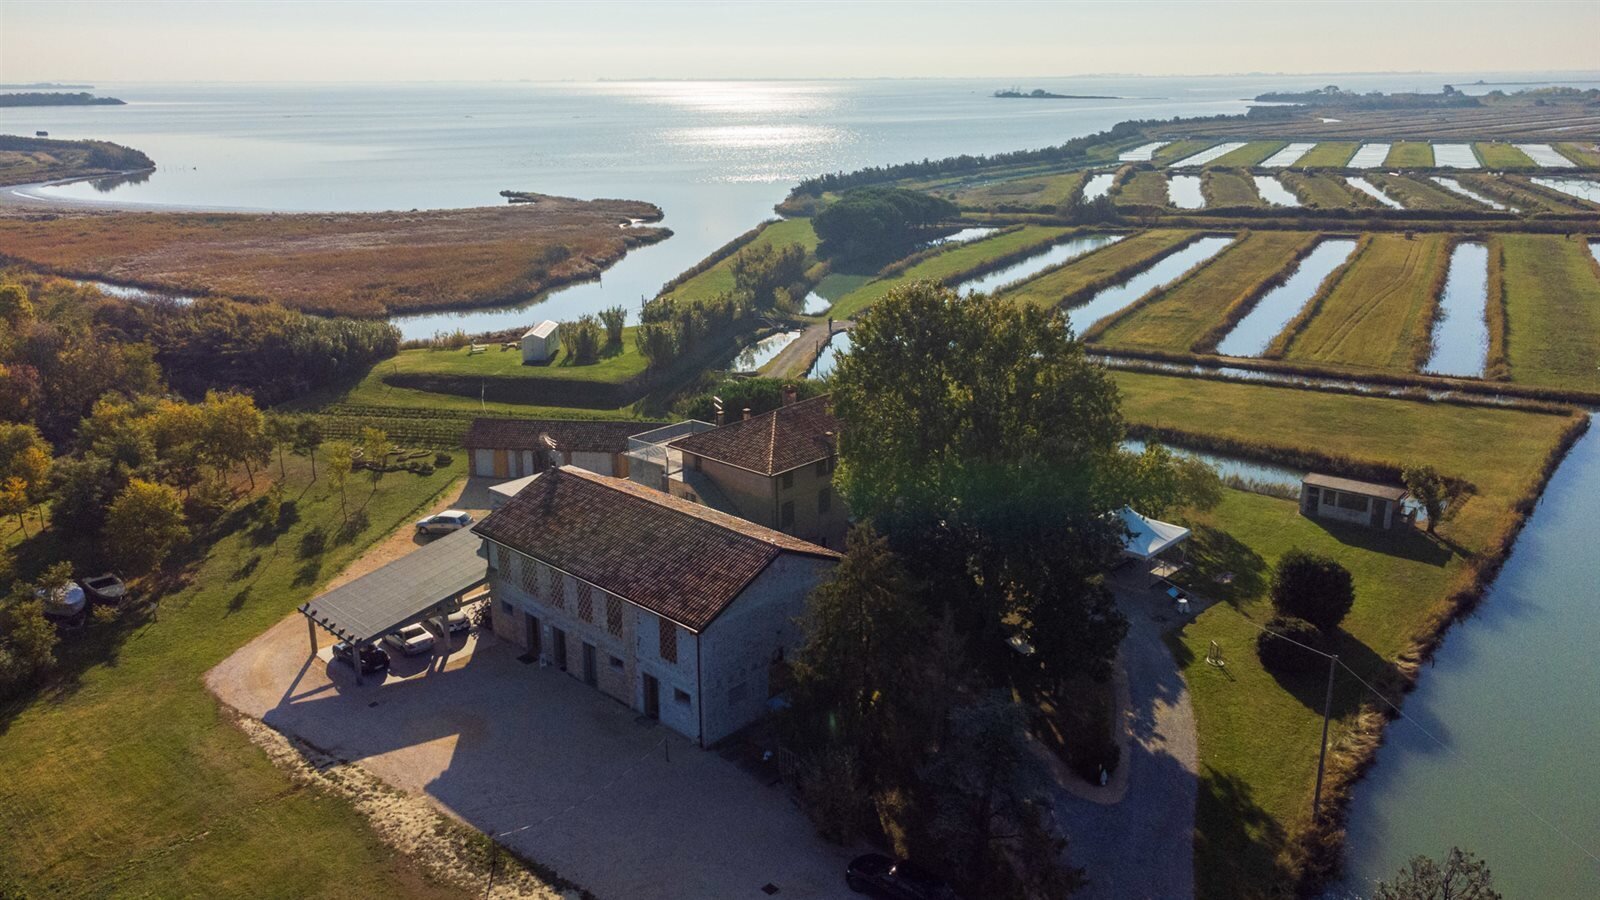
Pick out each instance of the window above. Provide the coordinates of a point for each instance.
(668, 643)
(615, 662)
(682, 696)
(528, 576)
(824, 500)
(1329, 498)
(786, 514)
(787, 480)
(614, 615)
(585, 601)
(1354, 502)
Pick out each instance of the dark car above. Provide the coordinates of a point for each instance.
(107, 589)
(883, 876)
(373, 659)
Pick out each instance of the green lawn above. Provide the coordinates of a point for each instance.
(947, 264)
(1178, 318)
(1496, 155)
(1580, 154)
(1111, 262)
(615, 365)
(1251, 154)
(1329, 154)
(719, 278)
(1410, 154)
(127, 779)
(1377, 312)
(1552, 296)
(1223, 187)
(1047, 191)
(1258, 735)
(1145, 188)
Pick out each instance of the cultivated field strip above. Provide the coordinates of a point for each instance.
(1554, 123)
(1498, 155)
(1252, 330)
(1380, 314)
(1329, 154)
(1228, 187)
(1144, 189)
(1371, 190)
(1288, 156)
(1251, 154)
(1410, 155)
(1161, 273)
(1552, 306)
(1413, 192)
(956, 263)
(1456, 187)
(1031, 191)
(1208, 155)
(1107, 266)
(1179, 316)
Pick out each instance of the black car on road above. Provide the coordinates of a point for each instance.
(895, 879)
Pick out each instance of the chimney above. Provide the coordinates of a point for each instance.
(747, 413)
(790, 394)
(716, 403)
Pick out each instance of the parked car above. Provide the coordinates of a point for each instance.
(896, 879)
(373, 659)
(411, 640)
(107, 589)
(444, 523)
(65, 605)
(457, 622)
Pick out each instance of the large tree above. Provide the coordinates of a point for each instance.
(1461, 876)
(878, 222)
(984, 443)
(144, 524)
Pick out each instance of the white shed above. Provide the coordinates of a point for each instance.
(540, 343)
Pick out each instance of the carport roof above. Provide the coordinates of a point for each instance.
(402, 591)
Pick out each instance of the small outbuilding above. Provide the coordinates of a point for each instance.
(1348, 500)
(540, 342)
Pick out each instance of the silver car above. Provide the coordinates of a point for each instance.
(412, 640)
(444, 523)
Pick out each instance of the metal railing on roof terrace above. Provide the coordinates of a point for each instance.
(651, 446)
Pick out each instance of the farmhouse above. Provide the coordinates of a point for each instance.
(539, 343)
(774, 469)
(514, 448)
(1349, 500)
(685, 614)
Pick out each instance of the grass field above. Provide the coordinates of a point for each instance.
(1373, 317)
(1417, 192)
(1324, 191)
(616, 364)
(1552, 296)
(363, 264)
(951, 263)
(1496, 155)
(1051, 287)
(1329, 154)
(1145, 188)
(1251, 154)
(127, 780)
(1258, 734)
(1410, 154)
(1179, 150)
(1225, 187)
(719, 278)
(1517, 194)
(1046, 191)
(1582, 154)
(1178, 318)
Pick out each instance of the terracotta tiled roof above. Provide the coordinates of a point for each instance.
(786, 438)
(677, 559)
(569, 434)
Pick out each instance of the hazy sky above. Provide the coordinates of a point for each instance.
(369, 41)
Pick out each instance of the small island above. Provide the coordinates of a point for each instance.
(43, 98)
(45, 86)
(1041, 94)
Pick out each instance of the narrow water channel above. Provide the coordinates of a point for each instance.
(829, 357)
(1273, 191)
(1228, 467)
(1450, 184)
(1183, 191)
(1116, 297)
(762, 352)
(1274, 310)
(1098, 186)
(1461, 335)
(962, 236)
(1057, 254)
(1582, 188)
(1496, 752)
(127, 292)
(1373, 191)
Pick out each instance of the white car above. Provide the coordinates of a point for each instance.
(445, 522)
(457, 621)
(412, 640)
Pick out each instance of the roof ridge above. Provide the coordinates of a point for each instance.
(772, 442)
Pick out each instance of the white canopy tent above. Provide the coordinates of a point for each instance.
(1149, 538)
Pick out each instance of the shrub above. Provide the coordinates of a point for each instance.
(440, 460)
(614, 318)
(1282, 656)
(1312, 587)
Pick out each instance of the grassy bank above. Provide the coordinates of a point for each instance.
(1496, 155)
(1102, 268)
(1328, 154)
(1229, 187)
(1552, 301)
(1383, 303)
(950, 264)
(1251, 154)
(718, 278)
(125, 778)
(1410, 155)
(1031, 191)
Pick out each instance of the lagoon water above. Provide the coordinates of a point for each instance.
(1461, 336)
(1368, 156)
(829, 357)
(1274, 310)
(1582, 188)
(763, 351)
(1098, 185)
(1166, 270)
(1455, 156)
(1273, 191)
(1546, 156)
(1184, 192)
(1057, 254)
(1288, 156)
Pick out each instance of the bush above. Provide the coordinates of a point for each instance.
(440, 460)
(1312, 587)
(1281, 656)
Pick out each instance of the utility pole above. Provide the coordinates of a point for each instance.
(1322, 755)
